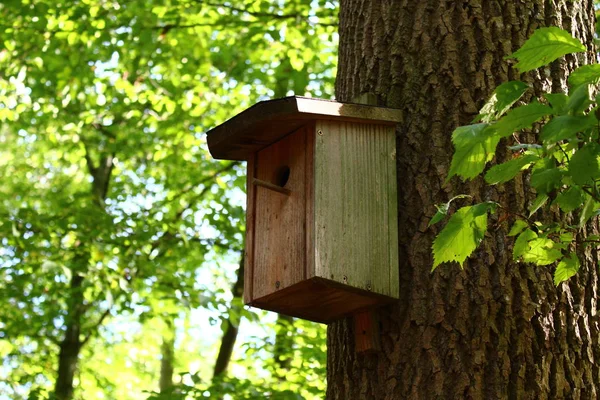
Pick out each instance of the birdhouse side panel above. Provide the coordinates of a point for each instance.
(356, 206)
(280, 216)
(250, 223)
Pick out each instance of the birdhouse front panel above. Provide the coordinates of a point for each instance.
(280, 218)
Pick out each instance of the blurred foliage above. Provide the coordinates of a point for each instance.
(113, 216)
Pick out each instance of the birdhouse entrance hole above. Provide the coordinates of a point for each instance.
(282, 175)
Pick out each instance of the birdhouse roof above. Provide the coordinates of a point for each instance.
(268, 121)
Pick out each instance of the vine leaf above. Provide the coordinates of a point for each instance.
(462, 234)
(566, 127)
(539, 201)
(585, 75)
(590, 208)
(542, 251)
(584, 166)
(506, 171)
(518, 227)
(570, 199)
(522, 243)
(442, 209)
(474, 147)
(566, 268)
(501, 101)
(558, 102)
(521, 118)
(545, 46)
(546, 179)
(579, 99)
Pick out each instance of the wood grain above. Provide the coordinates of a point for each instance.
(250, 223)
(355, 217)
(280, 252)
(366, 332)
(268, 121)
(309, 268)
(320, 300)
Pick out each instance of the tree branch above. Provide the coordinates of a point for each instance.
(94, 328)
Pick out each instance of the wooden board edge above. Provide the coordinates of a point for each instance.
(222, 138)
(250, 224)
(310, 132)
(393, 217)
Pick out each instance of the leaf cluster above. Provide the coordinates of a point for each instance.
(562, 165)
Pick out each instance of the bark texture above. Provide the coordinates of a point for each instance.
(497, 329)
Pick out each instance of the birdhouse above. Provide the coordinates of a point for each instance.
(321, 232)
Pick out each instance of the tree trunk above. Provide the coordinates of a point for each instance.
(231, 324)
(497, 329)
(71, 343)
(167, 361)
(284, 343)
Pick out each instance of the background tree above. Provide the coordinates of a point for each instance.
(112, 212)
(497, 328)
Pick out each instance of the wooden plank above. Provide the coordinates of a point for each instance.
(250, 223)
(353, 202)
(392, 216)
(309, 269)
(320, 300)
(280, 241)
(329, 191)
(268, 121)
(366, 332)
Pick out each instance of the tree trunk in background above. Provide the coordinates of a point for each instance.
(284, 342)
(167, 361)
(71, 343)
(231, 325)
(496, 329)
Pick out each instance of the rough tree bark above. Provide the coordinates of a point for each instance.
(497, 329)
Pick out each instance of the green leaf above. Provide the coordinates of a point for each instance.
(501, 100)
(545, 46)
(570, 199)
(566, 268)
(589, 210)
(580, 99)
(542, 251)
(558, 102)
(518, 227)
(521, 118)
(545, 180)
(441, 213)
(584, 166)
(506, 171)
(474, 147)
(522, 243)
(567, 237)
(585, 75)
(565, 127)
(539, 201)
(461, 236)
(442, 209)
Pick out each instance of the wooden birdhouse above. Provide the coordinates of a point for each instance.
(321, 234)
